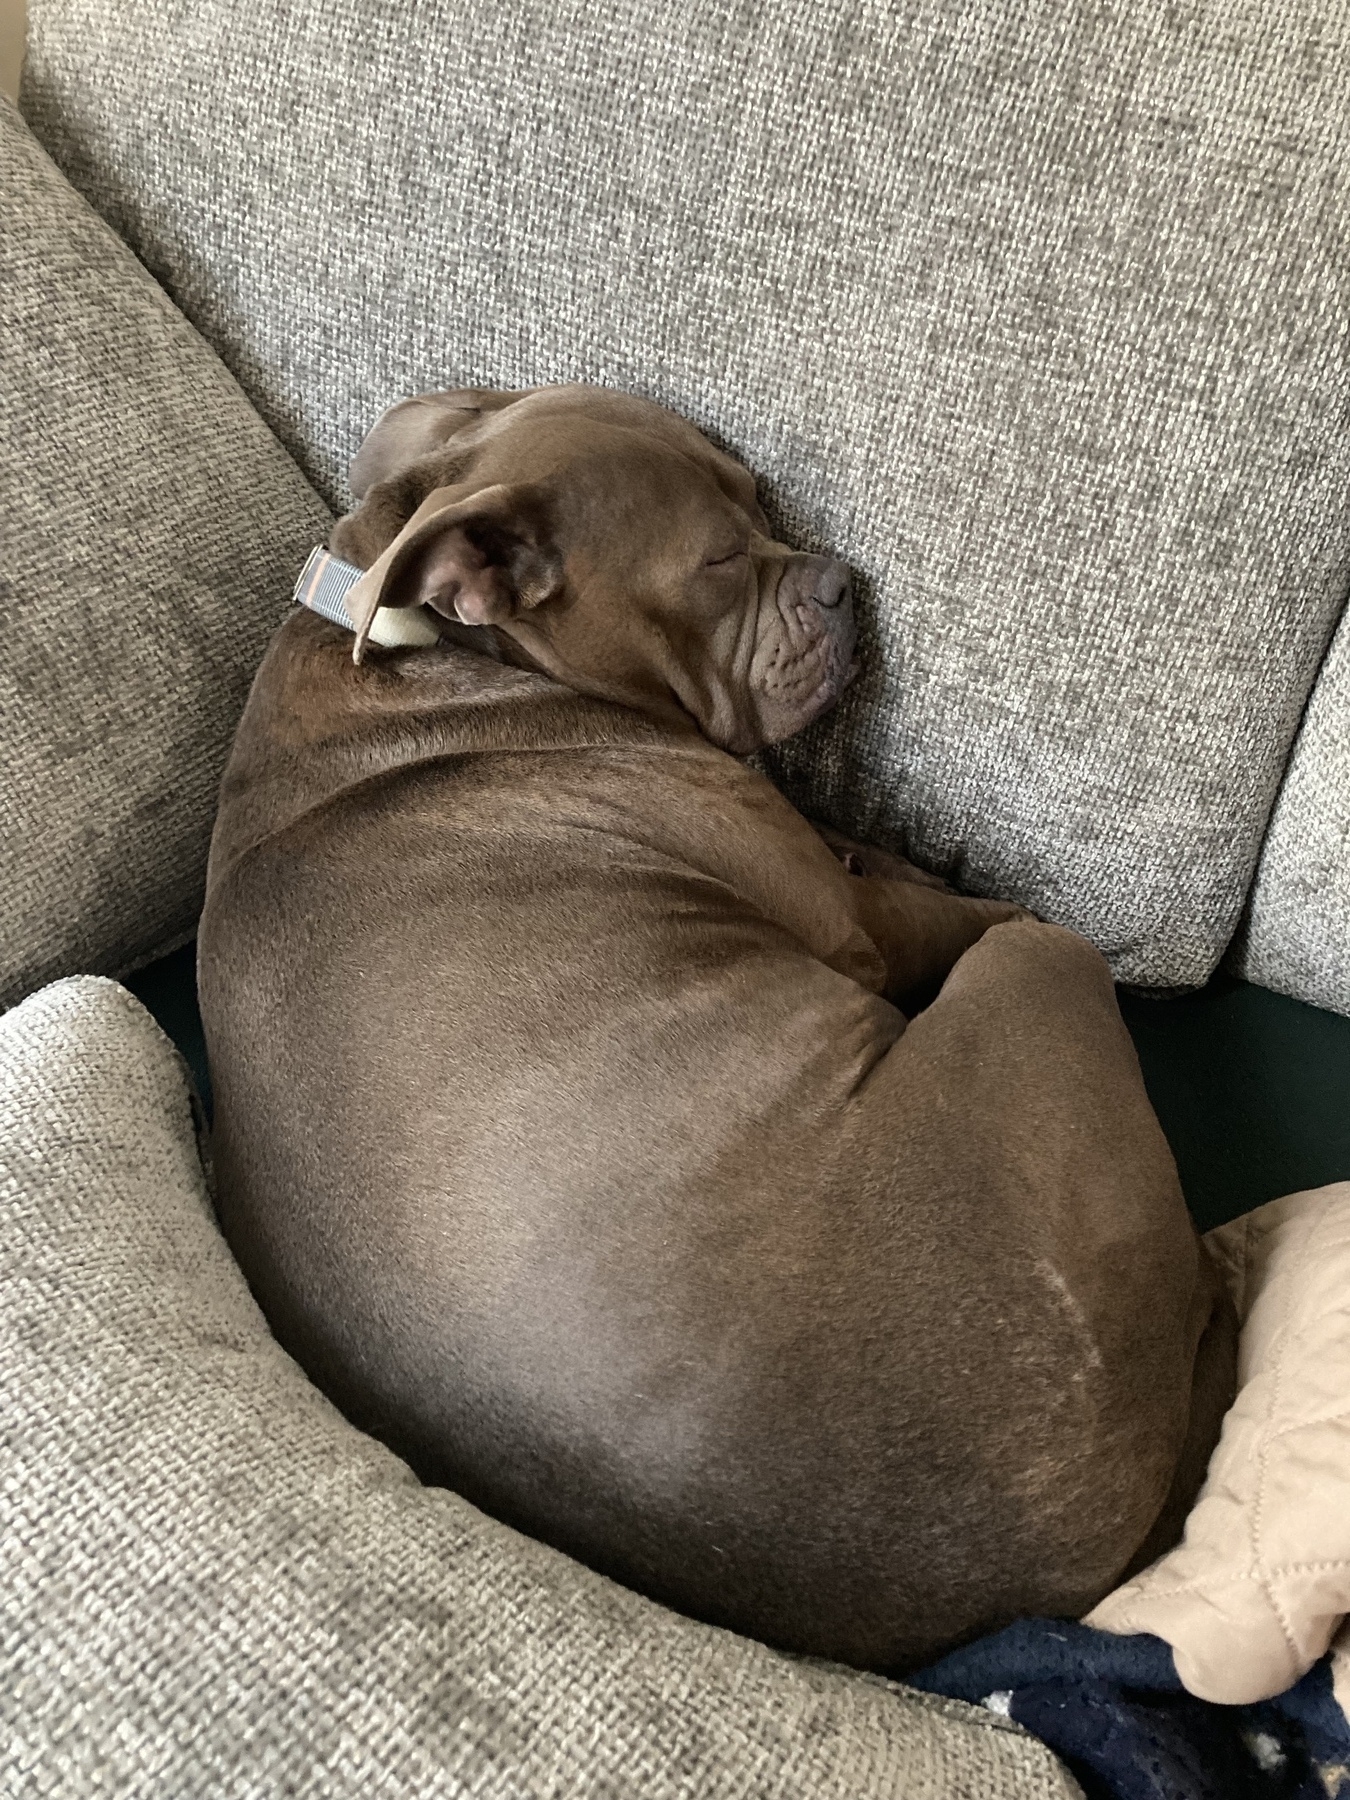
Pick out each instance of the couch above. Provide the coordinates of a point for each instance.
(1034, 312)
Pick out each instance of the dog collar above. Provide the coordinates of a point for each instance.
(323, 585)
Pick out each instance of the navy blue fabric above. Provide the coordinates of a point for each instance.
(1114, 1710)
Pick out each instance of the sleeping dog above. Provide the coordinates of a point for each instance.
(578, 1127)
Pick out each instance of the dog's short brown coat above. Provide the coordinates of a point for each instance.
(568, 1127)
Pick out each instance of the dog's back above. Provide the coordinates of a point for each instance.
(566, 1143)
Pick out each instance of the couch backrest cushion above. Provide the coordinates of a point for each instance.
(152, 527)
(1296, 936)
(1035, 313)
(212, 1585)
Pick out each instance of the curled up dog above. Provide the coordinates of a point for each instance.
(577, 1127)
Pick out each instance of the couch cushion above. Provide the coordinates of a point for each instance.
(1296, 936)
(1035, 314)
(152, 528)
(210, 1584)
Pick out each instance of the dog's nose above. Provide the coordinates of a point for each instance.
(835, 584)
(820, 578)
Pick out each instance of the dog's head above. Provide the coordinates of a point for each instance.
(605, 541)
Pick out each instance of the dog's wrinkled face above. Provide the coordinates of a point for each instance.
(606, 542)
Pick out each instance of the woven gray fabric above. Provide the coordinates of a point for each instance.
(211, 1585)
(1296, 936)
(1034, 312)
(152, 527)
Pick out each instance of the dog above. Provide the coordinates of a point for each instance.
(578, 1127)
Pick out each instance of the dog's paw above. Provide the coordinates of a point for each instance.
(881, 865)
(1007, 912)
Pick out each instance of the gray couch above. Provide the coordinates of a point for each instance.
(1035, 313)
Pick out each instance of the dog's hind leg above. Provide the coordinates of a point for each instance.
(1068, 1317)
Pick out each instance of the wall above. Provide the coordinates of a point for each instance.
(11, 44)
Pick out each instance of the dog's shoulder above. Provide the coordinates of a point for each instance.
(316, 725)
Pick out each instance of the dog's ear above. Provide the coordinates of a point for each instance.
(411, 429)
(481, 559)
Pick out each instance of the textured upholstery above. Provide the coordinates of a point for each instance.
(1034, 312)
(152, 527)
(211, 1585)
(1297, 934)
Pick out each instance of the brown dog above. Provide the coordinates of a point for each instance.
(569, 1129)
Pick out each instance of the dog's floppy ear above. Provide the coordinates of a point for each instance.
(481, 559)
(412, 429)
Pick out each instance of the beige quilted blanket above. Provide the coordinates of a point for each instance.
(1259, 1587)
